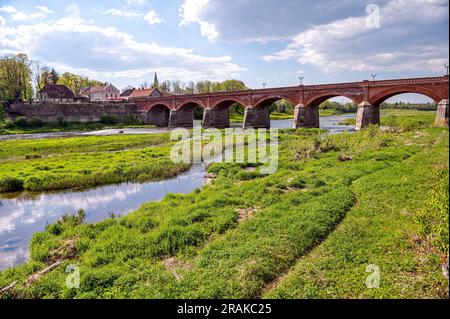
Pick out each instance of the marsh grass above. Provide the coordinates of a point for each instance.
(53, 164)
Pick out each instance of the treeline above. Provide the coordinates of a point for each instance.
(201, 87)
(21, 78)
(430, 106)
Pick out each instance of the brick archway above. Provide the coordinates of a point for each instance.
(318, 99)
(391, 92)
(270, 99)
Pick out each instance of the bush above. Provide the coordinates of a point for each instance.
(21, 122)
(6, 124)
(2, 112)
(107, 119)
(35, 122)
(60, 122)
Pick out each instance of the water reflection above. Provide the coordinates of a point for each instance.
(27, 213)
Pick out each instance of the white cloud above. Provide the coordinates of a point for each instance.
(123, 13)
(74, 44)
(191, 11)
(17, 15)
(44, 9)
(152, 17)
(135, 2)
(349, 45)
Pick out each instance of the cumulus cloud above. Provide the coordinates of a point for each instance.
(135, 2)
(332, 35)
(351, 45)
(152, 18)
(75, 44)
(191, 11)
(123, 13)
(44, 9)
(17, 15)
(261, 20)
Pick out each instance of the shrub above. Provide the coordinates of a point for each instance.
(6, 124)
(107, 119)
(10, 184)
(21, 122)
(60, 121)
(2, 112)
(35, 122)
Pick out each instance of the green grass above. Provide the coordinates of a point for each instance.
(52, 164)
(239, 118)
(309, 230)
(402, 119)
(380, 230)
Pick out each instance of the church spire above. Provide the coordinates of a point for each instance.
(155, 81)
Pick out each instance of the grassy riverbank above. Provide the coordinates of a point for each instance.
(336, 205)
(402, 119)
(50, 164)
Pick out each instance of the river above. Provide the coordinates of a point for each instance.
(25, 213)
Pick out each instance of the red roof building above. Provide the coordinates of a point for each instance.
(154, 92)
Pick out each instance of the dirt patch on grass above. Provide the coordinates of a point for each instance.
(246, 213)
(209, 178)
(66, 251)
(176, 267)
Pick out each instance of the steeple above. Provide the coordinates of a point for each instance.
(155, 81)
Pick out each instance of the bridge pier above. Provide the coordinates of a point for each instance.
(367, 114)
(256, 117)
(181, 118)
(306, 117)
(442, 113)
(216, 118)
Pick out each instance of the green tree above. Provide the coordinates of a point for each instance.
(15, 77)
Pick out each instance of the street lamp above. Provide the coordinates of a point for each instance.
(374, 76)
(264, 85)
(447, 68)
(301, 79)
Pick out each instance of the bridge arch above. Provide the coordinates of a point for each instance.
(227, 102)
(190, 105)
(318, 99)
(269, 100)
(158, 114)
(384, 95)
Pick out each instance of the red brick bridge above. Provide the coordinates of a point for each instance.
(178, 110)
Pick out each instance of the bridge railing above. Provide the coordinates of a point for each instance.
(408, 81)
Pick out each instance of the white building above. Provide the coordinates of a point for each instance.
(104, 92)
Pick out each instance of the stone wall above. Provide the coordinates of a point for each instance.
(73, 112)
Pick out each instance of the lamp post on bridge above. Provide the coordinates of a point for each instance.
(446, 66)
(373, 75)
(264, 85)
(301, 79)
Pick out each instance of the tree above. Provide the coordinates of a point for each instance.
(76, 82)
(15, 77)
(232, 85)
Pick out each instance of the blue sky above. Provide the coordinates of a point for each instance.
(257, 41)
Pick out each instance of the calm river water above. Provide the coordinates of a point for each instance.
(23, 214)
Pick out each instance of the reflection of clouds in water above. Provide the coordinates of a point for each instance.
(13, 257)
(28, 213)
(94, 200)
(7, 223)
